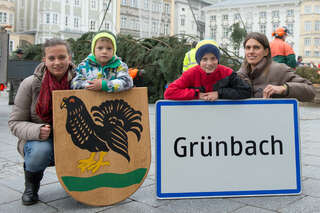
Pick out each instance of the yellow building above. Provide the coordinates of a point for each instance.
(310, 31)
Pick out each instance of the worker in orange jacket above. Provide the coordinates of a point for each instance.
(281, 51)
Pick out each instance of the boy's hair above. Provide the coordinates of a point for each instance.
(54, 42)
(104, 35)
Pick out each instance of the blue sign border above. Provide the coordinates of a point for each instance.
(161, 103)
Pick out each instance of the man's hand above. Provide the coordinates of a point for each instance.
(45, 132)
(209, 96)
(272, 89)
(95, 84)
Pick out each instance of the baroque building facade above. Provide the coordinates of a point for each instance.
(310, 31)
(63, 18)
(262, 16)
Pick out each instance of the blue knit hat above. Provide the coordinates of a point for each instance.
(206, 46)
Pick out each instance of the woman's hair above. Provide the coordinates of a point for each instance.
(263, 40)
(54, 42)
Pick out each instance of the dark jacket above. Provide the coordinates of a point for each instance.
(195, 80)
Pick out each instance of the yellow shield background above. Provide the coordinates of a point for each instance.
(120, 170)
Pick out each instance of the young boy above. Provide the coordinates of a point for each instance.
(208, 80)
(102, 69)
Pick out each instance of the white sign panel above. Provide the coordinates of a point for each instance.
(227, 148)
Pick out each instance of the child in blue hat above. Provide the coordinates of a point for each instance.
(208, 80)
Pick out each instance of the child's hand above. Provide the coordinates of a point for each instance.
(95, 84)
(209, 96)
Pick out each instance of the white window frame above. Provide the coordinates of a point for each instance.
(307, 41)
(307, 26)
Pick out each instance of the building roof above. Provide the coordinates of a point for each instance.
(236, 3)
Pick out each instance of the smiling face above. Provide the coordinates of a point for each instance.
(254, 52)
(103, 51)
(209, 62)
(57, 60)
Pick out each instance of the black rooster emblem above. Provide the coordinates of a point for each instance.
(112, 120)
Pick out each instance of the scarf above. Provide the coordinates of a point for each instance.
(49, 84)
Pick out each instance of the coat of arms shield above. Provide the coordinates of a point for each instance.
(101, 143)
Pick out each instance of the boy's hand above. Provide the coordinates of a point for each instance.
(209, 96)
(95, 84)
(45, 132)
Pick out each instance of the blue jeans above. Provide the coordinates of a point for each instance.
(38, 155)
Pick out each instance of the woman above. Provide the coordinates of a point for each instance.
(270, 79)
(208, 80)
(31, 116)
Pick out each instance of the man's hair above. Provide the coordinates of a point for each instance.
(54, 42)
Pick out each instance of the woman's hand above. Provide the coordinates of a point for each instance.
(272, 89)
(209, 96)
(45, 132)
(95, 84)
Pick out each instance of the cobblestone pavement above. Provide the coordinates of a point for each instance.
(55, 199)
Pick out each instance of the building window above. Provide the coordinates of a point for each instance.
(317, 26)
(307, 9)
(166, 29)
(290, 13)
(290, 28)
(307, 53)
(124, 2)
(47, 18)
(307, 41)
(317, 42)
(92, 25)
(146, 4)
(263, 28)
(275, 14)
(224, 17)
(316, 53)
(66, 23)
(182, 20)
(77, 2)
(225, 32)
(263, 14)
(307, 26)
(317, 9)
(76, 22)
(3, 18)
(55, 18)
(213, 18)
(213, 33)
(237, 17)
(11, 19)
(22, 3)
(275, 26)
(93, 4)
(123, 22)
(154, 27)
(166, 8)
(11, 45)
(133, 3)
